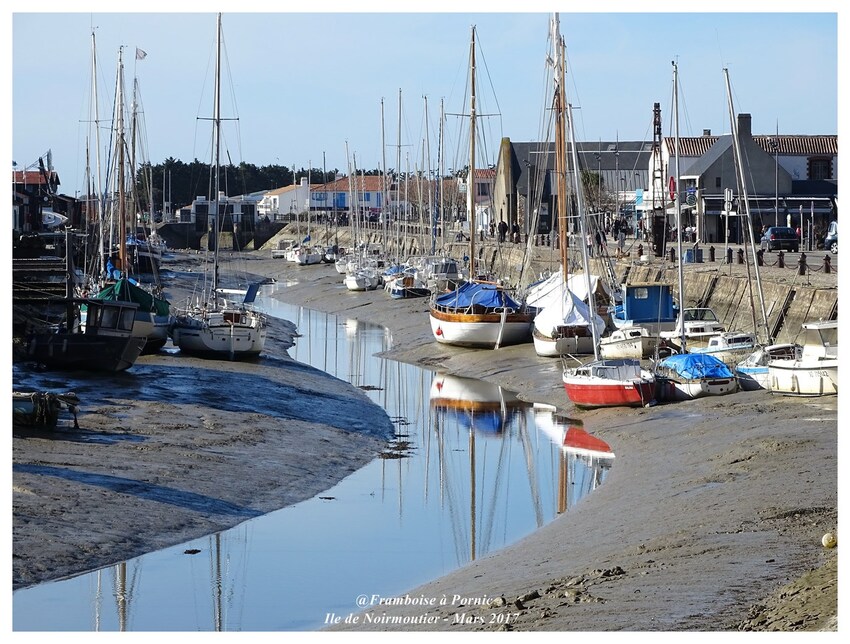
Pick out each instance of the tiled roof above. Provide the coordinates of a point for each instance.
(788, 144)
(31, 177)
(362, 183)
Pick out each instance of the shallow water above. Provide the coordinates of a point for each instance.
(471, 469)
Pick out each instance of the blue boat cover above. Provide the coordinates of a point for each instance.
(469, 293)
(697, 365)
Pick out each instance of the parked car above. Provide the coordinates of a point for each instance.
(830, 242)
(780, 238)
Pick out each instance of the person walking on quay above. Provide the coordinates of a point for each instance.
(503, 230)
(621, 243)
(589, 243)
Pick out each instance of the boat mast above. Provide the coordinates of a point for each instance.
(679, 206)
(745, 203)
(98, 190)
(384, 183)
(429, 180)
(122, 210)
(560, 148)
(470, 182)
(217, 155)
(582, 230)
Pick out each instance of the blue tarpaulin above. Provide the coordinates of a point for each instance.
(478, 294)
(697, 365)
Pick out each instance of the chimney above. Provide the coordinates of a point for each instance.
(745, 125)
(706, 132)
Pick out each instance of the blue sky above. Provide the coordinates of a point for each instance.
(309, 86)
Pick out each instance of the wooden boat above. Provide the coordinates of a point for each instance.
(106, 343)
(609, 383)
(814, 371)
(477, 313)
(40, 409)
(686, 376)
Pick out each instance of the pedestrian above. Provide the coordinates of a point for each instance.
(515, 232)
(589, 243)
(503, 230)
(621, 243)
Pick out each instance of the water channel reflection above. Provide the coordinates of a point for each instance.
(471, 470)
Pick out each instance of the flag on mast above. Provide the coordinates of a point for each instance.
(140, 54)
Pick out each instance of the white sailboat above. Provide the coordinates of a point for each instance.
(600, 382)
(216, 326)
(478, 313)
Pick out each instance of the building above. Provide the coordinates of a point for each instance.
(790, 180)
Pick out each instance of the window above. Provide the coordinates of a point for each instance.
(483, 189)
(820, 169)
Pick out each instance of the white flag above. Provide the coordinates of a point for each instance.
(140, 55)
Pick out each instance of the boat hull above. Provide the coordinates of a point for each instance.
(589, 393)
(549, 347)
(675, 390)
(801, 378)
(486, 330)
(232, 335)
(84, 351)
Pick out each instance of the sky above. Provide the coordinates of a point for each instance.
(307, 88)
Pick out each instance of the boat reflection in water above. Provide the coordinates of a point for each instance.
(585, 459)
(480, 409)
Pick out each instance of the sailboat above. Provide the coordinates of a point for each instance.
(564, 323)
(600, 382)
(478, 313)
(217, 327)
(686, 376)
(153, 317)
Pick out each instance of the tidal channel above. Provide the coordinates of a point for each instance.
(471, 470)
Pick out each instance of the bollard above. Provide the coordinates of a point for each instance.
(672, 254)
(781, 260)
(557, 243)
(827, 264)
(728, 255)
(711, 253)
(802, 264)
(537, 240)
(760, 257)
(548, 240)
